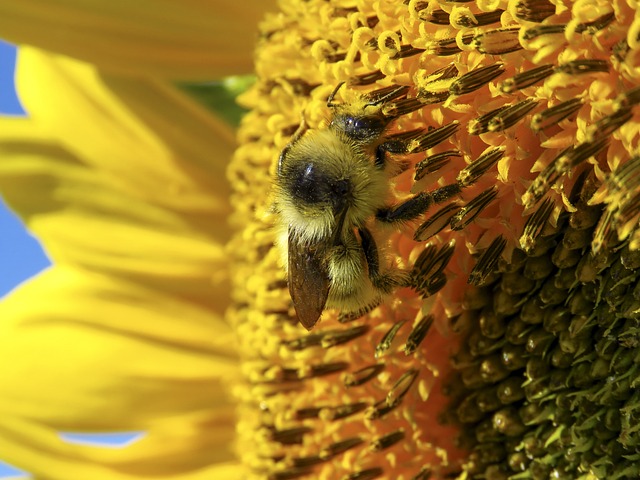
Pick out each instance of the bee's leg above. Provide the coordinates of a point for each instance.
(395, 145)
(381, 154)
(383, 282)
(418, 204)
(346, 317)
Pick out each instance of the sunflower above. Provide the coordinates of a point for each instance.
(513, 351)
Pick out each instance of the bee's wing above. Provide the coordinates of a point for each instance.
(308, 281)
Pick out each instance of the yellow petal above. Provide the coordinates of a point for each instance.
(82, 351)
(85, 216)
(139, 166)
(184, 40)
(87, 352)
(40, 450)
(164, 146)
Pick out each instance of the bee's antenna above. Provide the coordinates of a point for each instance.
(302, 128)
(330, 103)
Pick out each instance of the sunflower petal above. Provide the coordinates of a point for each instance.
(140, 168)
(113, 355)
(185, 40)
(40, 449)
(144, 132)
(108, 354)
(85, 217)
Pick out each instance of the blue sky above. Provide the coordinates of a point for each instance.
(21, 256)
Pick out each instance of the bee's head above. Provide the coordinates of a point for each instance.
(363, 120)
(360, 128)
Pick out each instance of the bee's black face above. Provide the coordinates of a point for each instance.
(313, 186)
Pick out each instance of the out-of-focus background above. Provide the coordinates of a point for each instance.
(20, 254)
(21, 257)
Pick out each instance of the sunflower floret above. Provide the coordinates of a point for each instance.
(578, 387)
(511, 351)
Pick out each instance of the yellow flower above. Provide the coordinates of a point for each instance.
(514, 353)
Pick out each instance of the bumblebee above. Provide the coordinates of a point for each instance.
(331, 189)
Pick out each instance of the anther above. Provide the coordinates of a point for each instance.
(407, 51)
(430, 263)
(597, 24)
(283, 374)
(498, 42)
(433, 163)
(417, 334)
(526, 78)
(604, 232)
(341, 411)
(475, 79)
(386, 441)
(565, 161)
(479, 19)
(552, 116)
(432, 138)
(579, 67)
(481, 124)
(535, 224)
(534, 10)
(394, 397)
(446, 47)
(289, 474)
(629, 98)
(537, 31)
(401, 387)
(437, 17)
(424, 474)
(289, 436)
(338, 337)
(436, 222)
(472, 172)
(471, 210)
(363, 375)
(368, 474)
(366, 78)
(488, 261)
(609, 124)
(387, 339)
(326, 339)
(306, 462)
(511, 115)
(340, 447)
